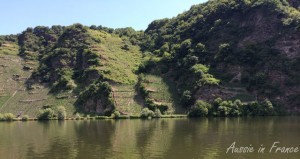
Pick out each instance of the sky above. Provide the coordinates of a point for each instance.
(17, 15)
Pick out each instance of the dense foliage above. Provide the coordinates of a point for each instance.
(245, 51)
(223, 40)
(100, 94)
(228, 108)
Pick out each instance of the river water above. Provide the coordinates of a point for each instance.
(206, 138)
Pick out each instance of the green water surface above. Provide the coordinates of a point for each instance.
(206, 138)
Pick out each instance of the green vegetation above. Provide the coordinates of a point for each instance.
(215, 43)
(25, 118)
(46, 114)
(200, 109)
(243, 51)
(96, 91)
(61, 113)
(117, 64)
(232, 108)
(127, 99)
(7, 117)
(116, 115)
(158, 94)
(146, 113)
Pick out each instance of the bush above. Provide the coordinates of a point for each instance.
(223, 111)
(1, 117)
(187, 98)
(25, 117)
(157, 113)
(47, 106)
(236, 108)
(77, 116)
(200, 109)
(146, 113)
(266, 108)
(46, 114)
(61, 113)
(9, 117)
(116, 114)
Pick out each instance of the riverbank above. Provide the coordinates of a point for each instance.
(174, 116)
(96, 118)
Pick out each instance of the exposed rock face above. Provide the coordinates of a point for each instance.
(266, 28)
(253, 43)
(263, 25)
(210, 93)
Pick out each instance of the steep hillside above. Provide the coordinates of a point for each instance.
(63, 66)
(252, 44)
(220, 58)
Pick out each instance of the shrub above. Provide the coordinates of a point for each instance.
(47, 106)
(157, 113)
(200, 109)
(187, 98)
(116, 114)
(125, 47)
(236, 108)
(61, 112)
(163, 108)
(77, 116)
(1, 117)
(223, 111)
(266, 108)
(25, 117)
(8, 117)
(251, 109)
(46, 114)
(146, 113)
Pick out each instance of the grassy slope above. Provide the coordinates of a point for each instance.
(15, 98)
(119, 66)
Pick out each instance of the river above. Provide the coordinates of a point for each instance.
(206, 138)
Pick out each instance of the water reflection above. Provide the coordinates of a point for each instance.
(158, 138)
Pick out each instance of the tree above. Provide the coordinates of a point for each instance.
(200, 48)
(187, 99)
(94, 27)
(266, 108)
(200, 109)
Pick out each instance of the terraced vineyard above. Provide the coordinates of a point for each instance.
(118, 62)
(16, 98)
(127, 99)
(160, 91)
(237, 91)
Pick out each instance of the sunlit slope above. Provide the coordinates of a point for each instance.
(119, 58)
